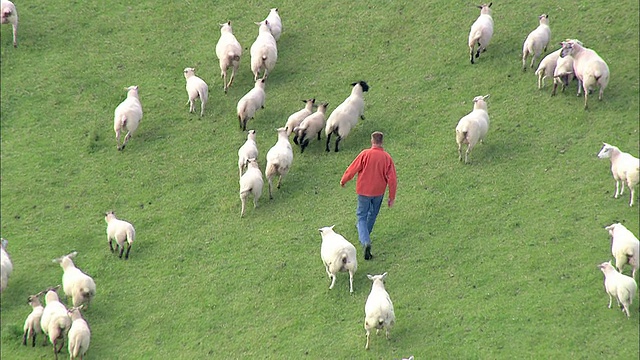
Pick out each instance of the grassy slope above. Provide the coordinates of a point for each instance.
(495, 259)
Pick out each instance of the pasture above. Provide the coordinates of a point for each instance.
(495, 259)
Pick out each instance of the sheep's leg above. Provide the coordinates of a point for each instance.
(338, 142)
(579, 87)
(279, 181)
(351, 282)
(600, 93)
(111, 245)
(326, 268)
(540, 80)
(460, 152)
(126, 140)
(368, 332)
(626, 310)
(471, 49)
(610, 300)
(632, 196)
(586, 96)
(270, 195)
(387, 332)
(118, 139)
(15, 36)
(524, 60)
(555, 86)
(243, 201)
(223, 74)
(319, 135)
(295, 139)
(24, 338)
(126, 256)
(333, 281)
(202, 104)
(233, 75)
(121, 251)
(255, 201)
(617, 189)
(33, 342)
(328, 139)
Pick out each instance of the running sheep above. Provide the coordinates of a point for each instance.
(312, 124)
(547, 67)
(10, 16)
(196, 88)
(127, 116)
(264, 51)
(536, 42)
(588, 67)
(79, 334)
(32, 325)
(481, 31)
(228, 51)
(55, 322)
(77, 285)
(345, 116)
(6, 266)
(249, 150)
(296, 118)
(378, 308)
(473, 127)
(250, 103)
(618, 285)
(275, 23)
(279, 159)
(624, 167)
(251, 183)
(119, 230)
(338, 255)
(563, 74)
(625, 247)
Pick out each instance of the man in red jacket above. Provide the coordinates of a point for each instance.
(375, 170)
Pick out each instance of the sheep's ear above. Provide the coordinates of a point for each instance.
(257, 23)
(490, 4)
(73, 254)
(384, 276)
(479, 6)
(354, 84)
(370, 277)
(485, 97)
(332, 226)
(229, 22)
(58, 260)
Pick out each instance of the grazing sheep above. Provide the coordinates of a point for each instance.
(119, 230)
(76, 284)
(345, 116)
(32, 325)
(10, 16)
(547, 67)
(275, 23)
(264, 51)
(250, 103)
(473, 127)
(378, 308)
(588, 67)
(196, 88)
(625, 247)
(338, 255)
(228, 51)
(247, 151)
(536, 42)
(251, 182)
(618, 285)
(312, 124)
(79, 334)
(279, 159)
(563, 73)
(296, 118)
(127, 116)
(481, 31)
(6, 266)
(55, 322)
(624, 167)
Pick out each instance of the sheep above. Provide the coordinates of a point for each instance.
(625, 247)
(127, 116)
(251, 183)
(32, 324)
(275, 23)
(312, 124)
(536, 42)
(10, 16)
(264, 51)
(547, 67)
(79, 334)
(473, 127)
(76, 284)
(247, 151)
(6, 266)
(119, 230)
(250, 103)
(345, 116)
(196, 88)
(624, 167)
(279, 159)
(55, 322)
(563, 73)
(228, 51)
(296, 118)
(618, 285)
(481, 31)
(338, 255)
(378, 308)
(588, 67)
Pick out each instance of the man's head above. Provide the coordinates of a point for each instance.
(376, 138)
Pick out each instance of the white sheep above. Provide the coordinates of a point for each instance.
(481, 31)
(547, 67)
(563, 73)
(296, 118)
(275, 23)
(127, 116)
(338, 255)
(378, 308)
(625, 247)
(79, 334)
(312, 124)
(249, 150)
(250, 103)
(6, 266)
(55, 322)
(77, 285)
(473, 127)
(264, 51)
(588, 67)
(32, 324)
(279, 159)
(228, 51)
(536, 42)
(345, 116)
(119, 230)
(196, 88)
(251, 183)
(10, 16)
(624, 167)
(618, 285)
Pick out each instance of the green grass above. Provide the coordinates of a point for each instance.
(496, 259)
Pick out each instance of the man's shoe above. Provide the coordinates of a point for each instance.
(367, 253)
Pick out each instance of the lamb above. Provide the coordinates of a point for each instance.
(378, 308)
(275, 23)
(625, 247)
(127, 116)
(481, 31)
(228, 51)
(296, 118)
(338, 255)
(312, 124)
(76, 284)
(247, 151)
(345, 116)
(624, 167)
(279, 159)
(32, 325)
(119, 230)
(55, 322)
(547, 67)
(563, 73)
(264, 51)
(79, 334)
(196, 88)
(618, 285)
(588, 67)
(251, 183)
(10, 16)
(536, 42)
(250, 103)
(473, 127)
(6, 266)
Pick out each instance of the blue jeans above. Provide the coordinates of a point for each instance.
(367, 211)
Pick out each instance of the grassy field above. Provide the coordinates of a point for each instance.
(496, 259)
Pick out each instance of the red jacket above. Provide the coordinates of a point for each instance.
(375, 170)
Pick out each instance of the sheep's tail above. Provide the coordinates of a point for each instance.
(271, 170)
(380, 322)
(131, 235)
(462, 136)
(123, 120)
(345, 259)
